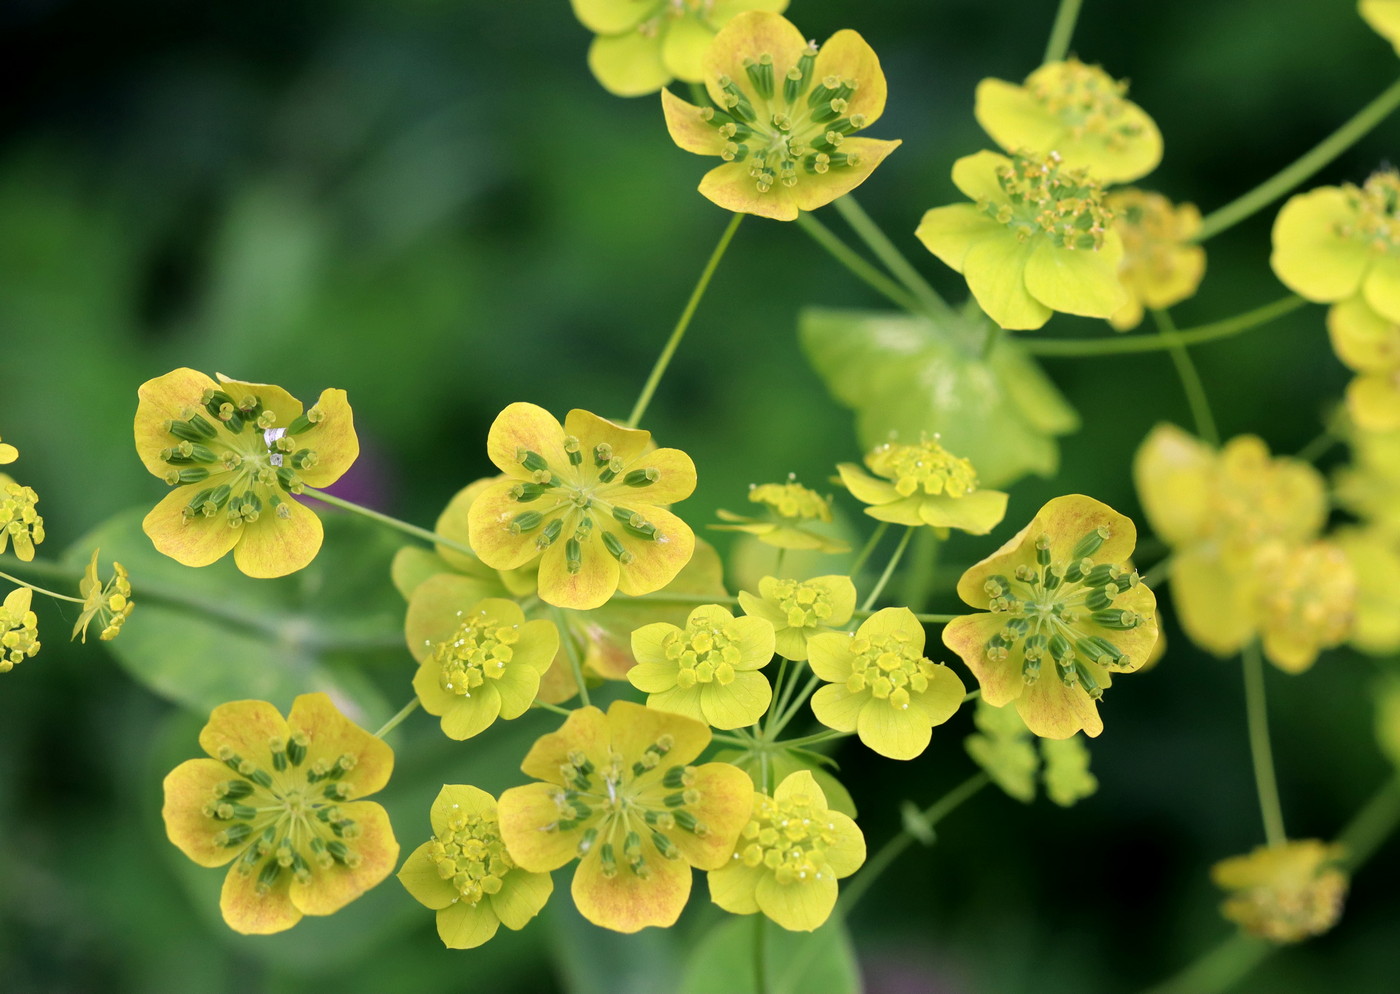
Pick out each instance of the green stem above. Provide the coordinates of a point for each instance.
(575, 660)
(1370, 826)
(545, 706)
(760, 966)
(678, 332)
(1257, 716)
(779, 689)
(795, 706)
(923, 565)
(41, 590)
(885, 250)
(1318, 447)
(807, 740)
(1062, 31)
(972, 695)
(394, 722)
(889, 569)
(869, 547)
(1190, 379)
(858, 267)
(929, 619)
(778, 564)
(384, 519)
(662, 597)
(1157, 573)
(895, 847)
(1124, 344)
(1290, 176)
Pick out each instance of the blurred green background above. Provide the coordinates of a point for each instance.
(433, 206)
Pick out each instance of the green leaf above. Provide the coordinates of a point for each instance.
(796, 962)
(916, 823)
(911, 377)
(1067, 776)
(1003, 749)
(201, 637)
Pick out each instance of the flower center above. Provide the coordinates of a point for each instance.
(805, 604)
(1087, 100)
(1044, 198)
(471, 855)
(1308, 593)
(479, 650)
(1151, 230)
(789, 837)
(927, 466)
(792, 501)
(703, 654)
(889, 667)
(1377, 208)
(20, 523)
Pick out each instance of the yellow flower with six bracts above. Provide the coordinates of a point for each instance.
(1384, 18)
(709, 669)
(109, 603)
(1369, 345)
(465, 874)
(588, 499)
(236, 454)
(478, 660)
(790, 507)
(19, 629)
(1283, 893)
(1078, 111)
(619, 794)
(1064, 611)
(280, 801)
(783, 116)
(1040, 238)
(789, 857)
(1335, 242)
(641, 45)
(1161, 264)
(800, 609)
(880, 686)
(923, 484)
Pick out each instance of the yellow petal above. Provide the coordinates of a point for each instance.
(894, 622)
(688, 129)
(1014, 119)
(1077, 281)
(738, 704)
(632, 729)
(198, 541)
(837, 708)
(188, 788)
(976, 513)
(864, 487)
(165, 398)
(274, 545)
(829, 656)
(626, 902)
(246, 727)
(1374, 402)
(521, 897)
(1173, 472)
(815, 190)
(333, 888)
(995, 269)
(273, 398)
(734, 887)
(333, 735)
(585, 730)
(675, 480)
(657, 561)
(466, 926)
(730, 186)
(469, 716)
(847, 55)
(526, 812)
(421, 879)
(950, 232)
(1054, 711)
(521, 428)
(333, 439)
(726, 802)
(628, 64)
(606, 17)
(1309, 256)
(251, 913)
(683, 48)
(799, 906)
(591, 586)
(1382, 287)
(892, 732)
(1362, 338)
(489, 520)
(1001, 682)
(1213, 603)
(455, 799)
(976, 177)
(748, 36)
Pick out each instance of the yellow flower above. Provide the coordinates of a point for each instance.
(643, 44)
(1368, 344)
(1375, 560)
(1217, 511)
(588, 500)
(1040, 238)
(1285, 893)
(477, 660)
(1306, 601)
(20, 524)
(1333, 243)
(19, 632)
(708, 670)
(280, 801)
(1161, 264)
(109, 603)
(1061, 598)
(1368, 486)
(789, 857)
(782, 118)
(1384, 17)
(790, 506)
(236, 453)
(927, 485)
(800, 609)
(880, 686)
(619, 794)
(8, 453)
(1076, 110)
(465, 874)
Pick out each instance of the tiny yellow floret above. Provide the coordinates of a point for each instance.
(923, 484)
(19, 629)
(20, 524)
(109, 603)
(1284, 893)
(1161, 265)
(799, 609)
(791, 510)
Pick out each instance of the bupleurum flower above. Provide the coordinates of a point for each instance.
(789, 857)
(20, 524)
(708, 670)
(19, 629)
(280, 800)
(1306, 601)
(1384, 18)
(109, 603)
(783, 115)
(620, 795)
(790, 507)
(1065, 610)
(236, 453)
(923, 484)
(880, 686)
(641, 45)
(1040, 238)
(1369, 345)
(1335, 242)
(588, 499)
(1283, 893)
(1161, 264)
(1078, 111)
(465, 874)
(477, 660)
(800, 609)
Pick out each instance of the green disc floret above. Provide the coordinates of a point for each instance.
(471, 855)
(479, 650)
(704, 653)
(1042, 197)
(926, 467)
(1377, 212)
(890, 666)
(788, 837)
(806, 604)
(1087, 100)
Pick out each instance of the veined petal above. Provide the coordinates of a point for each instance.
(726, 801)
(847, 55)
(655, 561)
(968, 635)
(1077, 281)
(466, 926)
(895, 622)
(458, 798)
(272, 397)
(188, 788)
(675, 480)
(332, 735)
(197, 541)
(894, 733)
(585, 730)
(653, 678)
(800, 906)
(683, 701)
(333, 439)
(526, 816)
(815, 190)
(996, 274)
(421, 879)
(489, 520)
(252, 913)
(1117, 162)
(625, 902)
(734, 887)
(1054, 711)
(521, 897)
(750, 35)
(595, 581)
(246, 727)
(521, 428)
(688, 128)
(627, 443)
(737, 705)
(331, 889)
(829, 655)
(836, 707)
(847, 854)
(633, 728)
(471, 715)
(730, 186)
(517, 688)
(165, 398)
(274, 545)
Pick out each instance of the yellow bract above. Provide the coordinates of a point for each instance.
(465, 874)
(924, 484)
(1369, 344)
(20, 524)
(588, 500)
(800, 609)
(236, 454)
(643, 44)
(1161, 265)
(1384, 17)
(109, 603)
(1284, 893)
(1039, 239)
(789, 857)
(19, 631)
(1077, 111)
(280, 801)
(783, 116)
(790, 506)
(619, 794)
(1065, 612)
